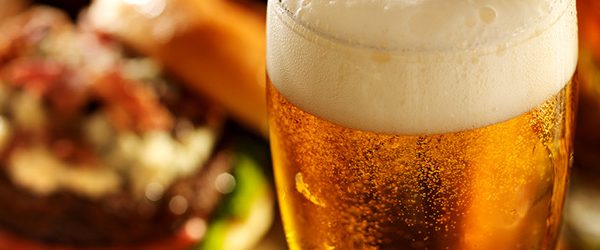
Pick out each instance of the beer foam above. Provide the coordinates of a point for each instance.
(420, 66)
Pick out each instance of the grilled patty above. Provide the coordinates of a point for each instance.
(67, 218)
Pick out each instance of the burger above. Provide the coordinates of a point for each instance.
(101, 148)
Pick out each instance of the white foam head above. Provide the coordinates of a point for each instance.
(420, 66)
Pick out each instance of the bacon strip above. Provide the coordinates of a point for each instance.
(131, 105)
(62, 87)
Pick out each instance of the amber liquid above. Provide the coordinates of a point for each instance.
(497, 187)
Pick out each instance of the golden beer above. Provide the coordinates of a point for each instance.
(382, 140)
(496, 187)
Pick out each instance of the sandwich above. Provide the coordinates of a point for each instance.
(102, 148)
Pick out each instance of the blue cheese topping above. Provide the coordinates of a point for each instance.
(158, 158)
(28, 111)
(39, 171)
(152, 158)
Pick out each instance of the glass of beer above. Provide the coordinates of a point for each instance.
(421, 124)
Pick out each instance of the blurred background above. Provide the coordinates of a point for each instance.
(582, 209)
(135, 124)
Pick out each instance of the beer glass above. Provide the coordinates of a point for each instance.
(421, 124)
